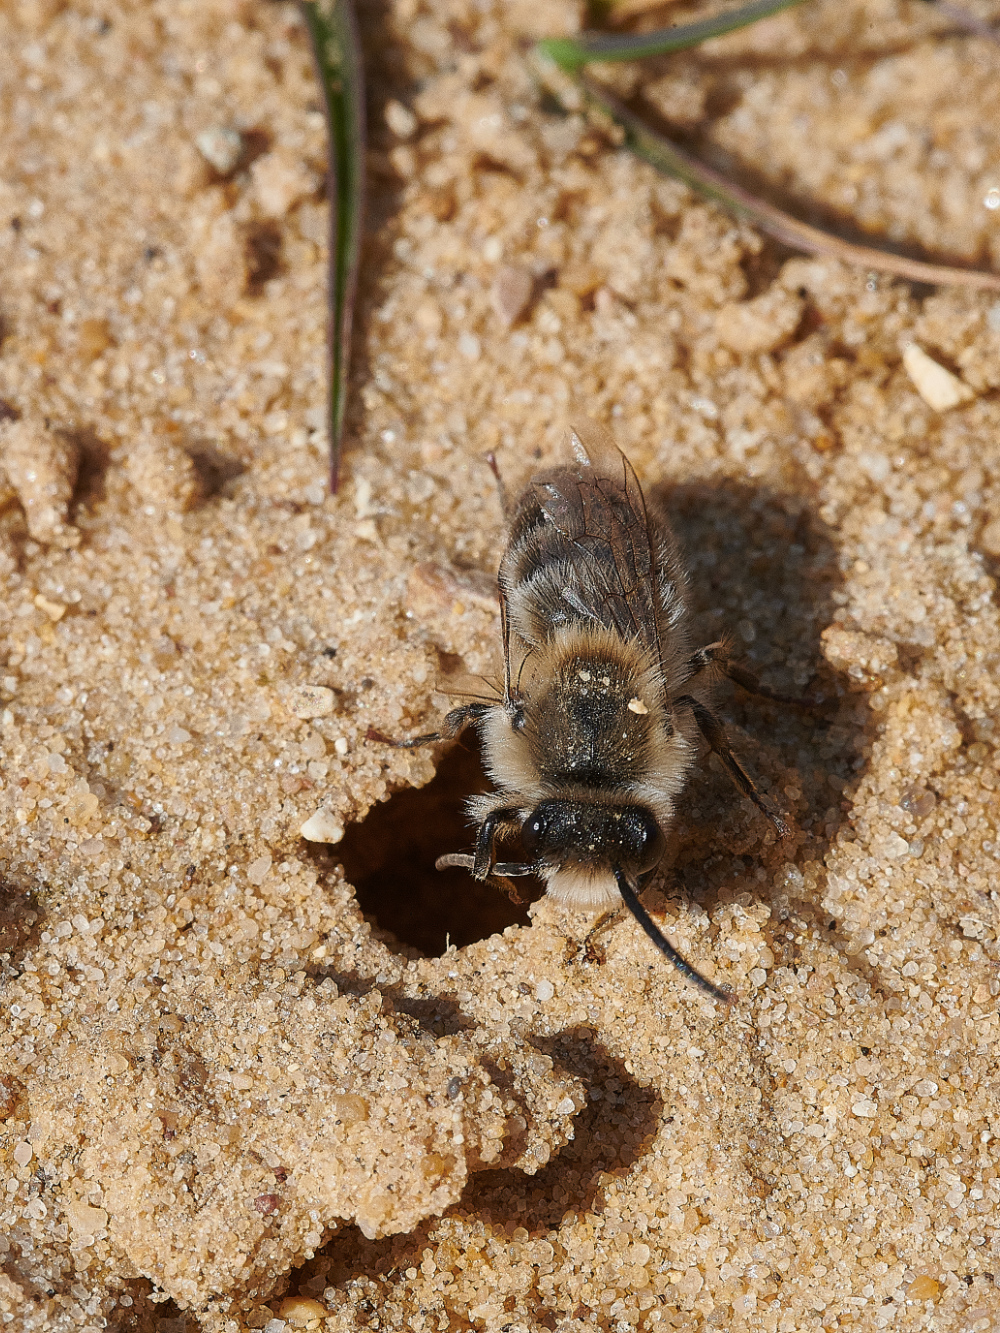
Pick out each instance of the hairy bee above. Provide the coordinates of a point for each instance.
(592, 737)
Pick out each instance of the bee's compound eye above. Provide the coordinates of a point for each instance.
(650, 842)
(533, 830)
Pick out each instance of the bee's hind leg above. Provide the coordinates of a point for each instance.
(715, 733)
(718, 655)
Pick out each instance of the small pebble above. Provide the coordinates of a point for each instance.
(301, 1310)
(93, 336)
(323, 826)
(400, 119)
(221, 147)
(307, 701)
(511, 293)
(22, 1153)
(258, 870)
(54, 610)
(923, 1288)
(11, 1092)
(469, 346)
(761, 324)
(280, 181)
(938, 387)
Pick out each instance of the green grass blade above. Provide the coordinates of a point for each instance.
(572, 53)
(337, 52)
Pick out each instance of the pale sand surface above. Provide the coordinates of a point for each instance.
(220, 1084)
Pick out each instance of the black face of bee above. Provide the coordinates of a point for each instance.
(628, 837)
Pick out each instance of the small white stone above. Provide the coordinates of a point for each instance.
(938, 387)
(54, 610)
(323, 826)
(637, 706)
(221, 147)
(895, 846)
(544, 991)
(258, 871)
(308, 701)
(876, 466)
(281, 178)
(22, 1153)
(469, 346)
(865, 1108)
(400, 119)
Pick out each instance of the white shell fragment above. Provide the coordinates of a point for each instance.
(939, 388)
(308, 701)
(323, 826)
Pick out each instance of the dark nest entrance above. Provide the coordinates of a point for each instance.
(389, 858)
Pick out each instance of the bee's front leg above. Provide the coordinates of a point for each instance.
(496, 823)
(455, 723)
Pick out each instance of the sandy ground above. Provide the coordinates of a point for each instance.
(226, 1078)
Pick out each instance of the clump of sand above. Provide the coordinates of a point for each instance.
(220, 1085)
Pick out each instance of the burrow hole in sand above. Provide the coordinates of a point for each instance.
(389, 858)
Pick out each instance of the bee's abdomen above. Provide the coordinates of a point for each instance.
(539, 571)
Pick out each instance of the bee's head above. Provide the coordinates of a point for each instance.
(592, 839)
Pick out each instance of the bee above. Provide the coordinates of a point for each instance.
(592, 736)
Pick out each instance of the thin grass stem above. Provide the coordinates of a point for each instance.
(337, 53)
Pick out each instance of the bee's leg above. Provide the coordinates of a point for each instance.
(454, 724)
(714, 732)
(605, 920)
(496, 823)
(718, 655)
(509, 889)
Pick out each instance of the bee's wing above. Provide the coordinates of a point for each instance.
(599, 509)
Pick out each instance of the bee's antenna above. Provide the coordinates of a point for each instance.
(631, 900)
